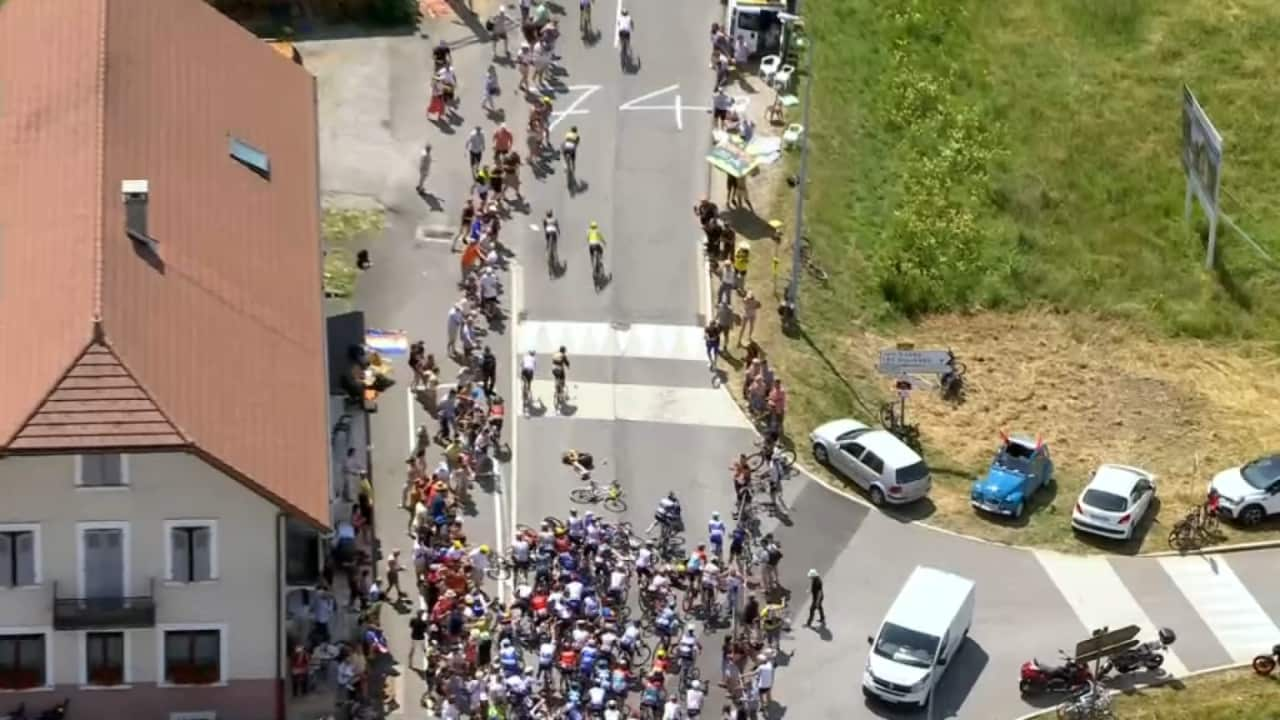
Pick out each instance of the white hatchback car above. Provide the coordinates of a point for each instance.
(876, 460)
(1251, 492)
(1114, 502)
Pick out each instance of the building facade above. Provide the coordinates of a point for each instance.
(163, 390)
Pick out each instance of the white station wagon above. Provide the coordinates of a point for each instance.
(876, 460)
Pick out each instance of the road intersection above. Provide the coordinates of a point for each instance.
(641, 398)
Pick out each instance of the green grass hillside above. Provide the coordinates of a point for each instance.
(992, 155)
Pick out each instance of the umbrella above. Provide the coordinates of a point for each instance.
(732, 159)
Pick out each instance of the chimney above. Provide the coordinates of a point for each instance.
(136, 193)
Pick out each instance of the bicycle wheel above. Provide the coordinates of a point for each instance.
(818, 273)
(582, 495)
(615, 505)
(755, 461)
(642, 654)
(500, 570)
(788, 458)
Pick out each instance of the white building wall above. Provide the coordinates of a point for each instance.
(162, 487)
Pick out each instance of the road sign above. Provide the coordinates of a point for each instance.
(922, 362)
(1106, 643)
(903, 386)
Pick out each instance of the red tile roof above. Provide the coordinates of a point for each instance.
(218, 346)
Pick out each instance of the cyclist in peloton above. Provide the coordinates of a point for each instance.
(551, 231)
(560, 369)
(595, 245)
(625, 25)
(570, 149)
(528, 364)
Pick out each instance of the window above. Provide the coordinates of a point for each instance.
(103, 559)
(24, 662)
(19, 556)
(192, 550)
(192, 657)
(251, 157)
(104, 659)
(873, 462)
(108, 470)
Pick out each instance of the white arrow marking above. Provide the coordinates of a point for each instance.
(631, 104)
(573, 106)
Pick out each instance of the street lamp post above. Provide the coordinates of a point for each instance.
(793, 287)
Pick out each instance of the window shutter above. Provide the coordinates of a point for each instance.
(202, 554)
(24, 560)
(7, 570)
(91, 470)
(112, 472)
(181, 566)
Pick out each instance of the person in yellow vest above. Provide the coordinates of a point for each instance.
(741, 261)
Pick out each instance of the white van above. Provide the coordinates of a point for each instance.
(924, 629)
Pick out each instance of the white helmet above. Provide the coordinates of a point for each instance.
(715, 516)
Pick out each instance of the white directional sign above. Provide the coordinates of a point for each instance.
(908, 362)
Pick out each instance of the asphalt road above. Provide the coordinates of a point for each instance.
(647, 407)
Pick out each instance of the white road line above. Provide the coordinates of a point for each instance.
(631, 104)
(573, 106)
(1223, 602)
(617, 20)
(1099, 598)
(517, 287)
(651, 342)
(647, 403)
(704, 287)
(679, 120)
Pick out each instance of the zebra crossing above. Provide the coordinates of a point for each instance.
(1216, 614)
(593, 397)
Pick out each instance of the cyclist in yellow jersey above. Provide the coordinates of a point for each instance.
(595, 244)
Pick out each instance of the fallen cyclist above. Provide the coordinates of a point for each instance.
(581, 462)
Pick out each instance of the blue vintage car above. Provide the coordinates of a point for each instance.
(1021, 466)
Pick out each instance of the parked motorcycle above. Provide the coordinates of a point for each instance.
(1148, 655)
(1264, 664)
(1067, 677)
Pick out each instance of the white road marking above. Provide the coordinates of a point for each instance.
(648, 403)
(679, 120)
(1099, 597)
(589, 90)
(1223, 602)
(617, 20)
(517, 287)
(652, 342)
(704, 287)
(631, 104)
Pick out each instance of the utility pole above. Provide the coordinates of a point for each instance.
(793, 287)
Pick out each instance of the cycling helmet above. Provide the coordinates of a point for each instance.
(590, 515)
(546, 99)
(662, 654)
(715, 516)
(594, 224)
(696, 685)
(813, 573)
(690, 629)
(671, 495)
(573, 512)
(484, 549)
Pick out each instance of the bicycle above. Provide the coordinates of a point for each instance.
(584, 17)
(597, 264)
(1093, 703)
(760, 458)
(562, 392)
(811, 265)
(1194, 531)
(610, 496)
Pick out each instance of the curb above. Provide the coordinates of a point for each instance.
(1048, 712)
(1215, 550)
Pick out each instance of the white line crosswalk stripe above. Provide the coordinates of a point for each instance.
(1099, 597)
(1223, 602)
(645, 403)
(652, 342)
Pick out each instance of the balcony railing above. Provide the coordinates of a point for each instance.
(101, 613)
